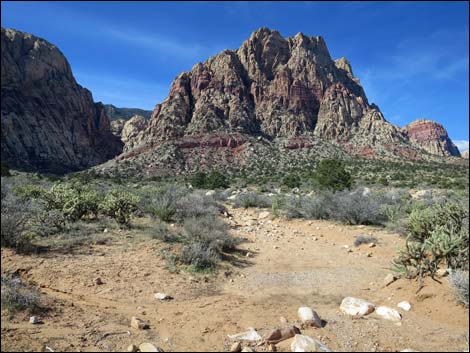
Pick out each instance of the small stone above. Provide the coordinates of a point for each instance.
(356, 307)
(283, 320)
(98, 281)
(236, 347)
(315, 238)
(162, 296)
(304, 343)
(148, 347)
(369, 254)
(309, 317)
(263, 215)
(442, 272)
(138, 323)
(210, 193)
(389, 279)
(34, 320)
(404, 305)
(249, 254)
(247, 349)
(105, 230)
(372, 245)
(132, 348)
(388, 313)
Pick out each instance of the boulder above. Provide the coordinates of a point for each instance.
(356, 307)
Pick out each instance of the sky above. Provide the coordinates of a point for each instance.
(412, 58)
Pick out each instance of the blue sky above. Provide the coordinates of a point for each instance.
(412, 57)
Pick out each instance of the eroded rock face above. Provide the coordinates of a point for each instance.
(432, 137)
(272, 86)
(49, 122)
(132, 131)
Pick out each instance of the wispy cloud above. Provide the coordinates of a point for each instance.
(170, 47)
(122, 91)
(462, 145)
(438, 56)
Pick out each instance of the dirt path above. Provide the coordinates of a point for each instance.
(293, 263)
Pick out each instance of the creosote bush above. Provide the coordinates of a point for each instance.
(459, 281)
(332, 175)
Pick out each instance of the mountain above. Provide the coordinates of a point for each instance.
(115, 113)
(271, 96)
(49, 122)
(430, 136)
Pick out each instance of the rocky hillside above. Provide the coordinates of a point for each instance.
(430, 136)
(271, 96)
(49, 122)
(115, 113)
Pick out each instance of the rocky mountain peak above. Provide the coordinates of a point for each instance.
(430, 136)
(49, 122)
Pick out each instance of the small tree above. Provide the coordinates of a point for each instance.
(331, 174)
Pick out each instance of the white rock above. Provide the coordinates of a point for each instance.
(389, 279)
(105, 230)
(34, 320)
(250, 335)
(148, 347)
(304, 343)
(404, 305)
(233, 197)
(162, 296)
(210, 192)
(264, 214)
(388, 313)
(442, 272)
(309, 317)
(409, 350)
(356, 306)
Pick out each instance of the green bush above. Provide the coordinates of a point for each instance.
(436, 235)
(212, 180)
(119, 205)
(331, 174)
(291, 181)
(251, 199)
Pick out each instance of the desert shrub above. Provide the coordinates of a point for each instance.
(16, 296)
(206, 239)
(435, 235)
(459, 281)
(212, 180)
(364, 239)
(161, 232)
(15, 224)
(291, 181)
(332, 174)
(195, 205)
(119, 205)
(251, 199)
(74, 200)
(162, 202)
(355, 208)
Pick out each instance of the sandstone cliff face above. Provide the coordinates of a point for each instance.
(132, 131)
(273, 87)
(49, 122)
(430, 136)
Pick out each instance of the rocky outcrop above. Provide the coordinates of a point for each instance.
(132, 131)
(465, 154)
(49, 122)
(273, 87)
(115, 113)
(430, 136)
(279, 97)
(117, 126)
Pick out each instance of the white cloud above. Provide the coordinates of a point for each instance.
(462, 145)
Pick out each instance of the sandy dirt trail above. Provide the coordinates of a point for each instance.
(293, 263)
